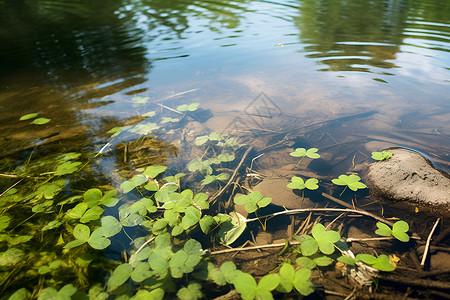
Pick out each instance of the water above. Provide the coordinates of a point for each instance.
(80, 64)
(347, 77)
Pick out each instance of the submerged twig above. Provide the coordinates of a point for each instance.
(340, 202)
(11, 187)
(253, 248)
(302, 210)
(145, 244)
(427, 245)
(230, 181)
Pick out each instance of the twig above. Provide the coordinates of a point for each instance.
(253, 248)
(302, 210)
(349, 240)
(175, 95)
(11, 187)
(416, 282)
(230, 181)
(427, 245)
(169, 108)
(145, 244)
(358, 210)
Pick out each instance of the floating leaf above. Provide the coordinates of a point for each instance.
(41, 121)
(383, 155)
(28, 116)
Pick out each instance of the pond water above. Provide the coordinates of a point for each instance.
(348, 77)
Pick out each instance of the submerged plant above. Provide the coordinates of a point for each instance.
(399, 230)
(290, 278)
(253, 201)
(302, 152)
(351, 181)
(246, 285)
(188, 107)
(321, 239)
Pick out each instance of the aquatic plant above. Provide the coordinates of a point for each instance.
(37, 121)
(290, 278)
(253, 201)
(302, 152)
(188, 107)
(351, 181)
(321, 239)
(383, 155)
(246, 285)
(399, 230)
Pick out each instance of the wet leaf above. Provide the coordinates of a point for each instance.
(67, 168)
(383, 264)
(119, 276)
(41, 121)
(191, 217)
(383, 155)
(246, 285)
(11, 257)
(4, 222)
(92, 214)
(207, 223)
(111, 226)
(232, 229)
(81, 232)
(20, 294)
(346, 260)
(383, 229)
(226, 157)
(190, 107)
(154, 171)
(302, 283)
(110, 199)
(191, 292)
(141, 272)
(306, 262)
(352, 181)
(28, 116)
(200, 140)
